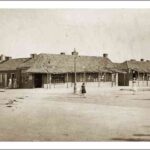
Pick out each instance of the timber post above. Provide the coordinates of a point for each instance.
(47, 80)
(50, 80)
(98, 79)
(67, 80)
(124, 79)
(138, 79)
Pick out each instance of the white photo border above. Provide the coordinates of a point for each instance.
(74, 5)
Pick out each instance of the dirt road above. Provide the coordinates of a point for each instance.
(58, 115)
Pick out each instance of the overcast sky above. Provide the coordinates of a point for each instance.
(123, 33)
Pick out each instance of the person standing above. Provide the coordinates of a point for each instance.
(10, 83)
(134, 86)
(15, 83)
(83, 89)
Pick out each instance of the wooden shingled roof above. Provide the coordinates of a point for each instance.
(56, 63)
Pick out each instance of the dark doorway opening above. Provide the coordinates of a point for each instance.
(38, 80)
(122, 80)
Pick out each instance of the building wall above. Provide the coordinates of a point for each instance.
(26, 79)
(6, 75)
(89, 77)
(91, 80)
(3, 80)
(140, 84)
(142, 79)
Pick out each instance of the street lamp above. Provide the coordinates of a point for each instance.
(75, 75)
(84, 73)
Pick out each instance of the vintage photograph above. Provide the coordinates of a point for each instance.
(74, 75)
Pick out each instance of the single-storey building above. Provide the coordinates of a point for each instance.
(43, 70)
(8, 70)
(138, 72)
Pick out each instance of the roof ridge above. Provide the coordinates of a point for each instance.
(71, 55)
(19, 58)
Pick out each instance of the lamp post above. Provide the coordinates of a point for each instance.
(75, 76)
(84, 77)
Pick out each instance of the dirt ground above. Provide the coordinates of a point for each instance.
(106, 114)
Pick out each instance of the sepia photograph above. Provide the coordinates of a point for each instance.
(74, 75)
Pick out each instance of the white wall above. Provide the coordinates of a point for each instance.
(140, 83)
(88, 84)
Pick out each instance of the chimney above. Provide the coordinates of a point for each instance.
(2, 58)
(62, 53)
(33, 55)
(142, 59)
(74, 52)
(8, 58)
(132, 60)
(105, 55)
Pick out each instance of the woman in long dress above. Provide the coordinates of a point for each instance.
(15, 83)
(134, 86)
(10, 83)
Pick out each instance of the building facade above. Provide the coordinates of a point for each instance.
(50, 70)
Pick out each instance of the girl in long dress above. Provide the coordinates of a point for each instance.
(83, 89)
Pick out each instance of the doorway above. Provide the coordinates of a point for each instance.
(38, 80)
(123, 80)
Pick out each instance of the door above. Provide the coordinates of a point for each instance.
(38, 80)
(123, 79)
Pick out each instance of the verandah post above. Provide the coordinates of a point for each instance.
(112, 80)
(116, 79)
(98, 79)
(143, 78)
(124, 78)
(105, 76)
(47, 80)
(50, 80)
(67, 80)
(147, 79)
(138, 79)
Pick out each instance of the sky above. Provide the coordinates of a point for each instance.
(122, 33)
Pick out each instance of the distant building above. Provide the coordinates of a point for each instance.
(138, 70)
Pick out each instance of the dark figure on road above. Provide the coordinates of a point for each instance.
(83, 89)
